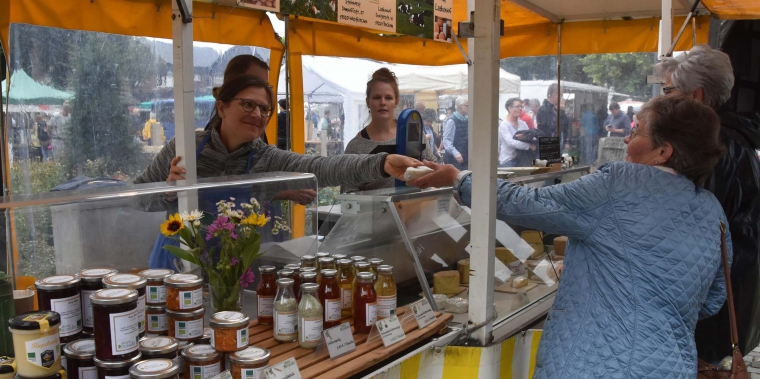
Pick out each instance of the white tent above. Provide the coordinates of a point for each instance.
(448, 80)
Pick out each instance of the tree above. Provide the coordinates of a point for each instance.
(41, 52)
(625, 72)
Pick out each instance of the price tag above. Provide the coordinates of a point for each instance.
(287, 369)
(423, 313)
(223, 375)
(390, 330)
(339, 340)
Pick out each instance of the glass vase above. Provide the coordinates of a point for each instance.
(226, 298)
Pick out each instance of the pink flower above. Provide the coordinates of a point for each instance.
(233, 261)
(247, 278)
(220, 224)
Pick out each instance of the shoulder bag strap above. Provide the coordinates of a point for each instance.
(729, 291)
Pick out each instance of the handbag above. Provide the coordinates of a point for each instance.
(738, 368)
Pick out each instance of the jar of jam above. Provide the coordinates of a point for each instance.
(205, 339)
(115, 369)
(156, 291)
(116, 323)
(183, 292)
(185, 326)
(155, 369)
(385, 288)
(306, 277)
(346, 282)
(265, 292)
(7, 368)
(285, 274)
(60, 294)
(182, 346)
(229, 331)
(329, 297)
(134, 282)
(374, 263)
(36, 337)
(92, 281)
(202, 362)
(325, 263)
(249, 363)
(159, 348)
(365, 303)
(79, 356)
(293, 266)
(156, 323)
(309, 261)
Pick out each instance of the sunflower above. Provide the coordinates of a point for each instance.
(255, 220)
(172, 226)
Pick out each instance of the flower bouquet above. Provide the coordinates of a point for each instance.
(225, 248)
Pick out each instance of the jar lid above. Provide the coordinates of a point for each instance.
(339, 256)
(201, 353)
(326, 260)
(113, 296)
(308, 275)
(285, 282)
(365, 277)
(155, 308)
(323, 254)
(309, 287)
(228, 320)
(358, 258)
(267, 269)
(361, 264)
(293, 266)
(307, 269)
(117, 364)
(185, 344)
(186, 314)
(125, 281)
(95, 275)
(308, 257)
(7, 365)
(329, 273)
(30, 321)
(385, 269)
(285, 273)
(251, 355)
(183, 281)
(154, 369)
(156, 273)
(158, 345)
(57, 282)
(375, 262)
(345, 262)
(80, 349)
(58, 375)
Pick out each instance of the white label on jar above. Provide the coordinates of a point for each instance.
(312, 328)
(87, 345)
(156, 294)
(153, 365)
(97, 271)
(252, 373)
(88, 372)
(204, 372)
(346, 299)
(58, 279)
(212, 341)
(43, 352)
(371, 312)
(188, 329)
(157, 323)
(242, 337)
(227, 315)
(64, 362)
(285, 322)
(265, 306)
(70, 309)
(386, 306)
(118, 377)
(332, 309)
(87, 318)
(190, 299)
(183, 277)
(125, 332)
(251, 352)
(141, 311)
(124, 278)
(201, 349)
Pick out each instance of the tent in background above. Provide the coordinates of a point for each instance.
(24, 90)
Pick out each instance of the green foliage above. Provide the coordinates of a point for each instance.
(324, 8)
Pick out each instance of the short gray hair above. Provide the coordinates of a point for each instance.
(460, 100)
(701, 67)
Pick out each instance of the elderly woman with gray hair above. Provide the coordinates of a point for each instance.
(706, 74)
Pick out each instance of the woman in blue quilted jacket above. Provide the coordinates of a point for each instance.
(643, 260)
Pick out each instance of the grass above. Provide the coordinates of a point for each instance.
(403, 26)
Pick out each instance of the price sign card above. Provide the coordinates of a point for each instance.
(339, 340)
(390, 330)
(423, 313)
(287, 369)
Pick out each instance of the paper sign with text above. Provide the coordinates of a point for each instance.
(390, 330)
(287, 369)
(423, 313)
(339, 340)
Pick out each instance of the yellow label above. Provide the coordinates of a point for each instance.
(40, 319)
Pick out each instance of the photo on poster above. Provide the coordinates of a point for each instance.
(415, 18)
(321, 9)
(266, 5)
(442, 29)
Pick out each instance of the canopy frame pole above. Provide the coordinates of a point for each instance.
(483, 90)
(689, 17)
(559, 80)
(289, 130)
(666, 30)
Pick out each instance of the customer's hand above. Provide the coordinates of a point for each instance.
(459, 158)
(533, 147)
(302, 196)
(395, 165)
(176, 172)
(443, 176)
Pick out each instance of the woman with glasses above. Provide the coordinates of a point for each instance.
(643, 260)
(514, 153)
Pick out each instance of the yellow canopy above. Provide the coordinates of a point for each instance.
(734, 9)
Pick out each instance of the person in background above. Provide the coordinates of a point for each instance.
(450, 112)
(629, 112)
(419, 107)
(150, 125)
(282, 125)
(617, 124)
(455, 135)
(634, 121)
(432, 138)
(706, 74)
(509, 147)
(590, 126)
(58, 128)
(324, 125)
(527, 117)
(43, 136)
(535, 105)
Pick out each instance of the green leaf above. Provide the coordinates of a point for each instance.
(190, 256)
(250, 252)
(187, 237)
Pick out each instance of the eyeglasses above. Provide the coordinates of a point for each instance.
(249, 105)
(635, 132)
(517, 106)
(668, 89)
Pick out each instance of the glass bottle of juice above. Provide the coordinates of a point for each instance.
(265, 292)
(309, 261)
(365, 303)
(385, 288)
(285, 312)
(346, 282)
(325, 263)
(310, 316)
(329, 297)
(360, 266)
(374, 263)
(306, 277)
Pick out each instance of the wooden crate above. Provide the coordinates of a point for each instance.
(365, 356)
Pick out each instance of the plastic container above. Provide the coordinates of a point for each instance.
(135, 282)
(249, 363)
(61, 294)
(35, 336)
(156, 290)
(155, 369)
(116, 324)
(265, 293)
(92, 281)
(79, 363)
(229, 331)
(202, 362)
(115, 369)
(185, 326)
(184, 292)
(156, 323)
(159, 348)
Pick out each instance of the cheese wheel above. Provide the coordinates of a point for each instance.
(463, 266)
(560, 244)
(519, 282)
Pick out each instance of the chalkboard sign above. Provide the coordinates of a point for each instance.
(549, 149)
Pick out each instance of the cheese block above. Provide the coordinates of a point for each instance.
(560, 243)
(463, 266)
(505, 255)
(446, 282)
(519, 282)
(536, 240)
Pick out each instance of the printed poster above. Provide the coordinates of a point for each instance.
(264, 5)
(442, 24)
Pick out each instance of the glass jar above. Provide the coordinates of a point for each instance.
(155, 369)
(361, 266)
(185, 326)
(292, 266)
(206, 338)
(134, 282)
(159, 348)
(156, 323)
(116, 323)
(79, 364)
(346, 282)
(325, 263)
(356, 259)
(115, 369)
(310, 316)
(249, 363)
(7, 368)
(92, 281)
(385, 288)
(201, 362)
(365, 303)
(183, 292)
(338, 257)
(309, 261)
(156, 290)
(60, 294)
(285, 312)
(182, 346)
(374, 263)
(321, 255)
(229, 331)
(306, 277)
(265, 292)
(329, 298)
(36, 337)
(285, 274)
(61, 374)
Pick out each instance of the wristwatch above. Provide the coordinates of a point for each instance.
(458, 182)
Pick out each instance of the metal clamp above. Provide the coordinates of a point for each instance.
(184, 11)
